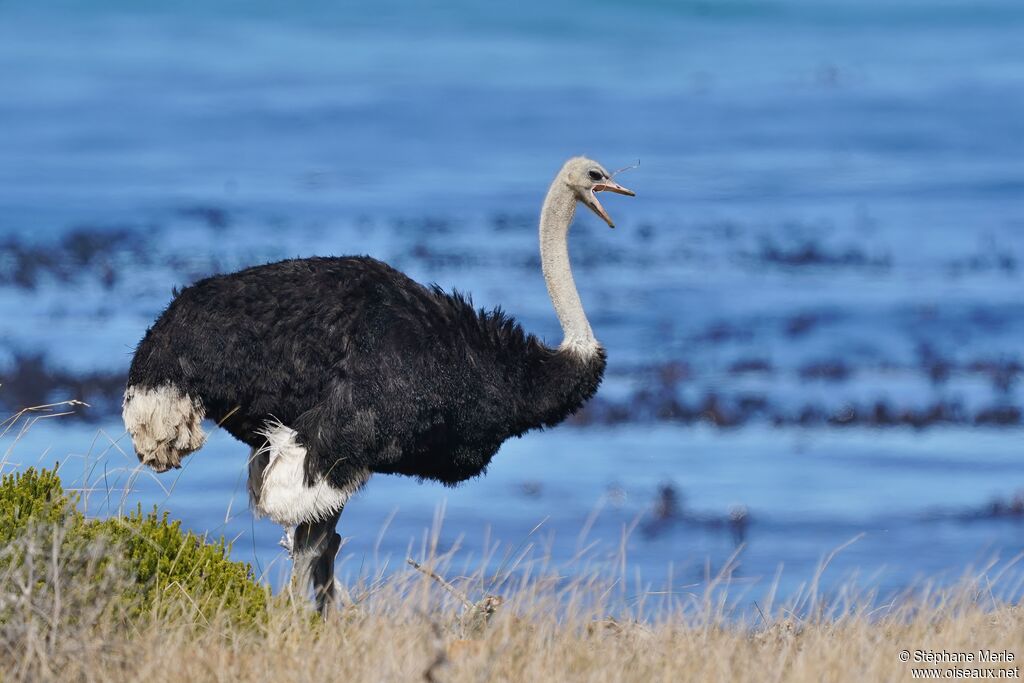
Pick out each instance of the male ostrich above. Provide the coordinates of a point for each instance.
(331, 369)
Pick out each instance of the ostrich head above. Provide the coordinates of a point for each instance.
(579, 181)
(585, 177)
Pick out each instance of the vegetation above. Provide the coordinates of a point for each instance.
(41, 527)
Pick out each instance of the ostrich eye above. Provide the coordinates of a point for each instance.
(595, 175)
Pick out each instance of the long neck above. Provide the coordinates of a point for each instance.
(556, 216)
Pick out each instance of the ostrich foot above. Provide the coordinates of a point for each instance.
(314, 547)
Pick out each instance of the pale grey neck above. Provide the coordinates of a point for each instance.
(555, 219)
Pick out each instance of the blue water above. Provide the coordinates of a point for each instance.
(829, 216)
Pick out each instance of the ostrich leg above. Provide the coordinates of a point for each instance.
(314, 547)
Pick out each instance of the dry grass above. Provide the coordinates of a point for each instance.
(407, 629)
(61, 620)
(392, 647)
(401, 637)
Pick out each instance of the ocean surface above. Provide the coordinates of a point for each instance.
(813, 308)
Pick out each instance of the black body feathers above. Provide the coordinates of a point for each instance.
(373, 370)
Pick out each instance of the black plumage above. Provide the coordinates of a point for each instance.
(371, 369)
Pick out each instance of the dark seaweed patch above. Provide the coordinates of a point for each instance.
(512, 222)
(86, 252)
(214, 217)
(1012, 507)
(1008, 508)
(804, 323)
(669, 510)
(719, 410)
(810, 253)
(994, 261)
(722, 331)
(1003, 372)
(829, 370)
(531, 488)
(750, 365)
(31, 381)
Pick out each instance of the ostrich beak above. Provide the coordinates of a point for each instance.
(605, 186)
(612, 186)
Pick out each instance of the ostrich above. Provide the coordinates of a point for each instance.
(331, 369)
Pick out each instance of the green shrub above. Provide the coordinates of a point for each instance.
(164, 568)
(168, 564)
(31, 498)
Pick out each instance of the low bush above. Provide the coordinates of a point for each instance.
(154, 564)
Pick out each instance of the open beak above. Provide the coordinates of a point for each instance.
(605, 186)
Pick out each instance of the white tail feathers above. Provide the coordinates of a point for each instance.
(165, 425)
(283, 494)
